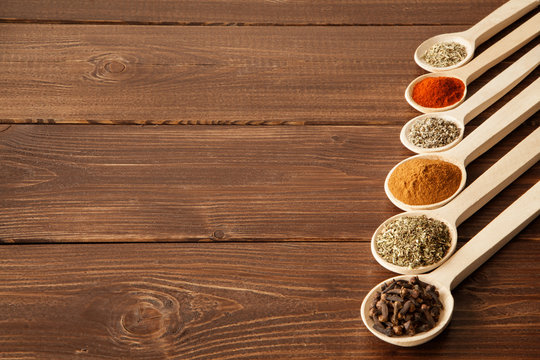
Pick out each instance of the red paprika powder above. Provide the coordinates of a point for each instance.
(438, 92)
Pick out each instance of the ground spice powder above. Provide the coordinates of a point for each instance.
(424, 181)
(438, 92)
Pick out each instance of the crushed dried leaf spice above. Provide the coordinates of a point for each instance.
(445, 54)
(413, 241)
(433, 132)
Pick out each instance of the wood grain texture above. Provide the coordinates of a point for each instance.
(270, 226)
(241, 12)
(243, 301)
(210, 75)
(69, 183)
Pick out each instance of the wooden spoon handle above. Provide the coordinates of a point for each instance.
(490, 239)
(498, 125)
(498, 20)
(498, 86)
(499, 51)
(493, 180)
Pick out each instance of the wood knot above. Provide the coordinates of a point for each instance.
(146, 315)
(110, 68)
(218, 234)
(142, 319)
(115, 67)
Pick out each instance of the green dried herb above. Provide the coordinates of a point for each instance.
(413, 241)
(432, 132)
(445, 54)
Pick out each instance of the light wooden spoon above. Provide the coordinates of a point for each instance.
(497, 126)
(484, 188)
(481, 100)
(468, 73)
(476, 35)
(473, 254)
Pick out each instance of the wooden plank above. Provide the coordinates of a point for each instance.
(233, 301)
(240, 12)
(69, 183)
(210, 75)
(142, 74)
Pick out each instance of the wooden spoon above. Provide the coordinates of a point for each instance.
(506, 119)
(481, 100)
(468, 73)
(473, 254)
(484, 188)
(476, 35)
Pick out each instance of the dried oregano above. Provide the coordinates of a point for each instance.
(432, 132)
(413, 241)
(445, 54)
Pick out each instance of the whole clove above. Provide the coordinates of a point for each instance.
(427, 315)
(394, 298)
(396, 312)
(383, 308)
(405, 308)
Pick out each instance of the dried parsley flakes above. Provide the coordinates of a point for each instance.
(413, 241)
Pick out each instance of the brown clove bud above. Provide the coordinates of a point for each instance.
(381, 305)
(403, 292)
(394, 291)
(379, 327)
(394, 298)
(435, 297)
(427, 314)
(389, 287)
(406, 307)
(407, 325)
(395, 314)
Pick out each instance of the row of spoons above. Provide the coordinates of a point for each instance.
(452, 269)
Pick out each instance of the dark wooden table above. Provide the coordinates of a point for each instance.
(201, 180)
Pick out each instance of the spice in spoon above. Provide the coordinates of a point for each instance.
(438, 92)
(433, 132)
(445, 54)
(413, 241)
(405, 308)
(421, 181)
